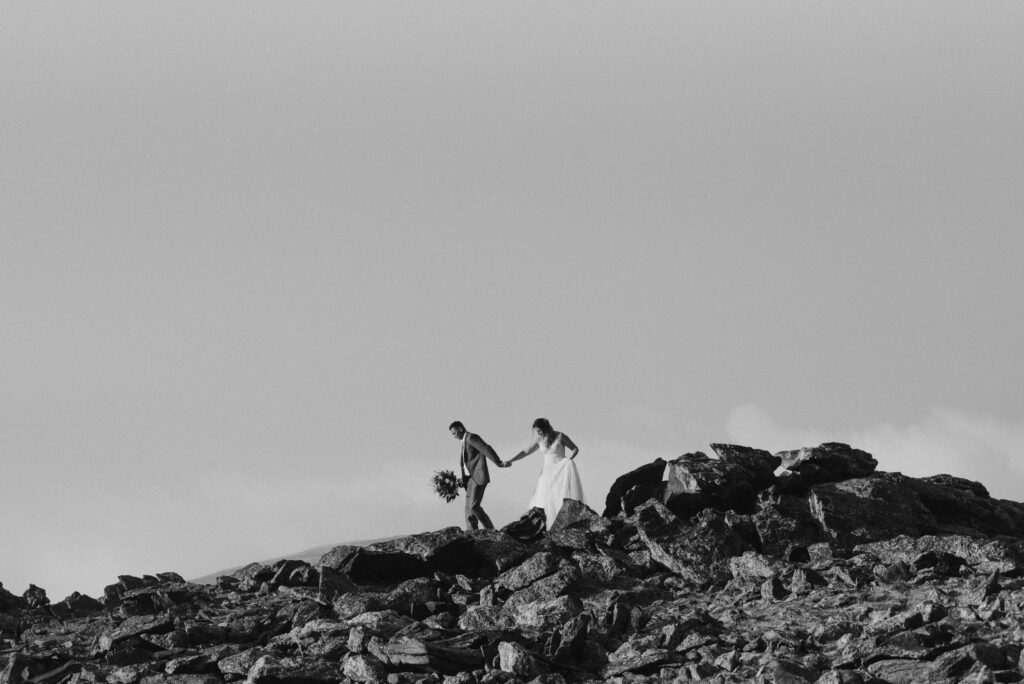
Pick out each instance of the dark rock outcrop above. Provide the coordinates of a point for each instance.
(637, 486)
(830, 573)
(828, 462)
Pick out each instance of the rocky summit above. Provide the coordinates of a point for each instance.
(744, 566)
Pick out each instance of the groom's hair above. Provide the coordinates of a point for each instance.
(456, 424)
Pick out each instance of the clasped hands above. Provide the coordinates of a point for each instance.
(505, 464)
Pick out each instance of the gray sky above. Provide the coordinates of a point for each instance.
(255, 257)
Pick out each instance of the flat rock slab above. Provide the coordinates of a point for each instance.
(869, 509)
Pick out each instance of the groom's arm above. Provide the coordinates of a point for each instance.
(484, 447)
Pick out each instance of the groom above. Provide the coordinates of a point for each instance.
(475, 453)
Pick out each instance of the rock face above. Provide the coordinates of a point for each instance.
(828, 571)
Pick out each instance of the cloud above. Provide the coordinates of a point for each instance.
(986, 449)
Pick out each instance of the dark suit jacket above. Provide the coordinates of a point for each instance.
(475, 453)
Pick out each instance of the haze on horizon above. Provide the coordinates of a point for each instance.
(254, 258)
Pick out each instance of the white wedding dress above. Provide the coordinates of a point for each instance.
(558, 480)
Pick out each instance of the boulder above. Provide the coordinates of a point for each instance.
(785, 523)
(517, 661)
(534, 568)
(755, 566)
(529, 527)
(954, 482)
(696, 482)
(336, 558)
(575, 514)
(367, 566)
(35, 597)
(828, 462)
(758, 463)
(449, 549)
(869, 509)
(361, 667)
(333, 583)
(486, 618)
(646, 477)
(546, 613)
(962, 506)
(557, 584)
(698, 552)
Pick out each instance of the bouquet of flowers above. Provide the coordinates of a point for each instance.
(446, 485)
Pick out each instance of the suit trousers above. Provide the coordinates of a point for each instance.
(474, 511)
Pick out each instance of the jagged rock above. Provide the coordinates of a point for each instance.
(130, 674)
(181, 679)
(772, 589)
(753, 565)
(271, 670)
(8, 601)
(985, 555)
(133, 627)
(576, 514)
(35, 597)
(571, 643)
(546, 613)
(455, 550)
(806, 579)
(198, 664)
(572, 538)
(356, 603)
(16, 670)
(486, 618)
(647, 662)
(953, 482)
(840, 677)
(784, 523)
(363, 667)
(869, 509)
(698, 552)
(76, 605)
(534, 568)
(899, 671)
(517, 661)
(415, 654)
(334, 583)
(337, 557)
(383, 623)
(784, 671)
(600, 568)
(696, 482)
(367, 566)
(646, 478)
(828, 462)
(238, 666)
(745, 528)
(530, 527)
(549, 587)
(761, 465)
(963, 506)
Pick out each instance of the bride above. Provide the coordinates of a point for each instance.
(559, 478)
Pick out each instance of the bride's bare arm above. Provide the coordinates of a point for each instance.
(523, 454)
(570, 445)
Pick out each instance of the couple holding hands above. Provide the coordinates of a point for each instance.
(558, 480)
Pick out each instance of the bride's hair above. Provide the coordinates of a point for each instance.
(544, 426)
